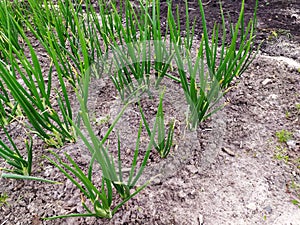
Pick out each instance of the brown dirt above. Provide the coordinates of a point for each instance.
(200, 182)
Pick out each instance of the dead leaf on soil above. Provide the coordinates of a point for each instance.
(36, 220)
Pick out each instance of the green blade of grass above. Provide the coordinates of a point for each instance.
(22, 177)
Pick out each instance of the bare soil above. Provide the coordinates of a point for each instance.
(228, 171)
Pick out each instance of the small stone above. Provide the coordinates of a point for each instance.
(181, 194)
(297, 134)
(201, 219)
(31, 207)
(251, 206)
(228, 151)
(291, 144)
(192, 169)
(266, 81)
(156, 181)
(295, 16)
(193, 192)
(268, 209)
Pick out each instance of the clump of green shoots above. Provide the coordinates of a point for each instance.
(3, 199)
(14, 158)
(204, 87)
(163, 144)
(235, 58)
(281, 153)
(21, 166)
(9, 109)
(6, 27)
(27, 84)
(111, 173)
(138, 47)
(283, 136)
(296, 187)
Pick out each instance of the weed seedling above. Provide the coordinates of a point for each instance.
(296, 187)
(281, 154)
(297, 105)
(295, 202)
(3, 199)
(287, 114)
(102, 120)
(283, 136)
